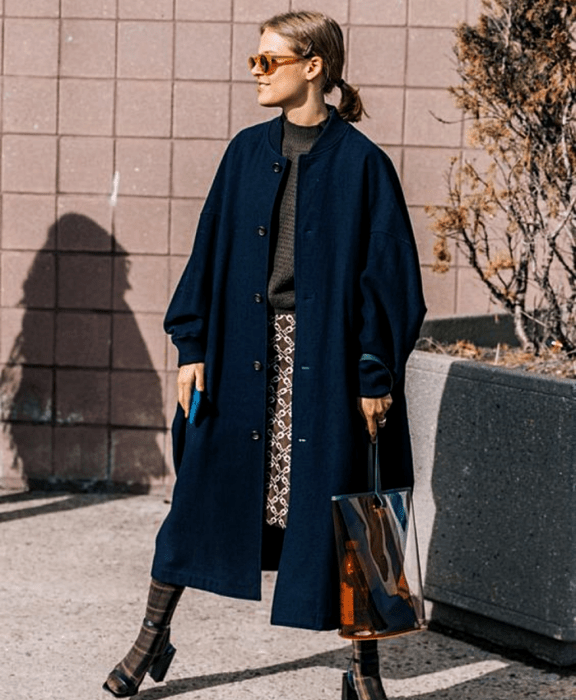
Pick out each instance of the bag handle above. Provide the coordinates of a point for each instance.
(374, 466)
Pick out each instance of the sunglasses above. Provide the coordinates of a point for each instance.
(269, 64)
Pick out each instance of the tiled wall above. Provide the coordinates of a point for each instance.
(114, 116)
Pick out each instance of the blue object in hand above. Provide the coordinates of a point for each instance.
(196, 398)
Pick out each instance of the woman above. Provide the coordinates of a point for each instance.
(293, 321)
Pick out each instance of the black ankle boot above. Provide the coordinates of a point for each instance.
(159, 659)
(152, 652)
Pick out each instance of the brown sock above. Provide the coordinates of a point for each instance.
(153, 637)
(365, 668)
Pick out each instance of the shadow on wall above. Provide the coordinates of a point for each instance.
(81, 401)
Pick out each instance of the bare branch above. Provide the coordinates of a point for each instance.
(516, 221)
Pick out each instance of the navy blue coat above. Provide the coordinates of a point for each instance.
(359, 307)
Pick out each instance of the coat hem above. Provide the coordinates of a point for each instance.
(178, 578)
(317, 624)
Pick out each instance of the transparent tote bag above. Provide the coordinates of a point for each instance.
(380, 578)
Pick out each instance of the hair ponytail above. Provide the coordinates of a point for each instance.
(315, 34)
(351, 107)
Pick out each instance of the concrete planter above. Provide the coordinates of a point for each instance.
(495, 457)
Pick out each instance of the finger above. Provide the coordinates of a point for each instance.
(185, 387)
(372, 427)
(364, 411)
(200, 379)
(184, 400)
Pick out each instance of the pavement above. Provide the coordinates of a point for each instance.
(74, 574)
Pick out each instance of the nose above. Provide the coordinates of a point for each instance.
(256, 69)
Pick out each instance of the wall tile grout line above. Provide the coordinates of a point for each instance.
(233, 25)
(457, 253)
(404, 95)
(230, 81)
(205, 81)
(56, 257)
(147, 20)
(114, 250)
(167, 139)
(2, 121)
(166, 466)
(172, 125)
(90, 78)
(92, 254)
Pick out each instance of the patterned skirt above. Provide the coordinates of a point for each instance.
(282, 331)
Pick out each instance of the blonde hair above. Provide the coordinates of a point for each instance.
(315, 34)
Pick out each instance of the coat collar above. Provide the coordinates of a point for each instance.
(334, 130)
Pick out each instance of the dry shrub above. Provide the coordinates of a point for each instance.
(515, 219)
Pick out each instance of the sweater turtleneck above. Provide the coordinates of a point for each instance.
(296, 140)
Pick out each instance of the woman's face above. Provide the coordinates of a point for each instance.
(287, 86)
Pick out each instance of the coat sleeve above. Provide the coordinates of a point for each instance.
(391, 286)
(186, 319)
(187, 314)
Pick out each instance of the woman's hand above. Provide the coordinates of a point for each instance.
(374, 412)
(189, 376)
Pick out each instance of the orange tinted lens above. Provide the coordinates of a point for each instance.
(260, 59)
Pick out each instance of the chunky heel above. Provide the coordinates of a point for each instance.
(348, 691)
(159, 668)
(370, 688)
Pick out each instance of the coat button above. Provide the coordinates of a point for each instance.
(258, 298)
(256, 435)
(257, 366)
(277, 168)
(262, 231)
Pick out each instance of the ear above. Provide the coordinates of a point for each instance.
(314, 68)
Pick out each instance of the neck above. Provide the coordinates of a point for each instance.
(311, 113)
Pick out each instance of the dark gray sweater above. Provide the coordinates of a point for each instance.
(295, 141)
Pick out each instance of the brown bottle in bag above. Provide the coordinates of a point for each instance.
(354, 594)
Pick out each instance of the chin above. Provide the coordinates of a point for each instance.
(267, 102)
